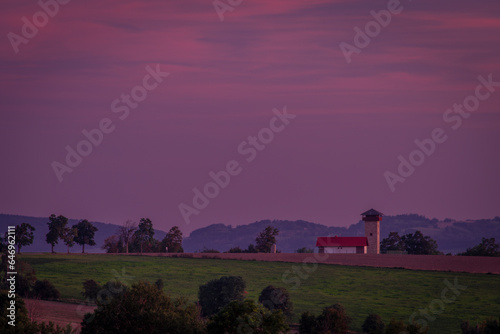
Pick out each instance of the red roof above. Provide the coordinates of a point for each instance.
(341, 241)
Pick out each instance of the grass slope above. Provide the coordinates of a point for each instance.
(391, 293)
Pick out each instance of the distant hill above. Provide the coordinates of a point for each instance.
(452, 236)
(41, 229)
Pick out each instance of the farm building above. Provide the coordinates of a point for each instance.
(342, 245)
(369, 244)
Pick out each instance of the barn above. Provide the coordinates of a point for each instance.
(342, 245)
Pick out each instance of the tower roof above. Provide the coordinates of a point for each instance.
(372, 212)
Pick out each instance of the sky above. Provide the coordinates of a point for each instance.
(194, 113)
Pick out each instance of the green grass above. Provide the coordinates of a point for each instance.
(391, 293)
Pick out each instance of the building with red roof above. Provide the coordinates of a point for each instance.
(342, 245)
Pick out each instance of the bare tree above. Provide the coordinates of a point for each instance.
(126, 233)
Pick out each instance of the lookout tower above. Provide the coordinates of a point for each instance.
(372, 220)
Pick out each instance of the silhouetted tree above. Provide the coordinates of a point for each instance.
(126, 233)
(56, 230)
(69, 236)
(24, 236)
(392, 243)
(145, 232)
(373, 324)
(277, 298)
(266, 239)
(173, 241)
(247, 317)
(487, 247)
(417, 243)
(85, 235)
(90, 289)
(217, 293)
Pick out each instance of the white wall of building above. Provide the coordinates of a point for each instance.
(340, 250)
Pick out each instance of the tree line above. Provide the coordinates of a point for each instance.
(139, 238)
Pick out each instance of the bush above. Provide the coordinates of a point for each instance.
(217, 293)
(395, 327)
(304, 250)
(489, 326)
(159, 284)
(373, 324)
(247, 317)
(307, 324)
(90, 289)
(45, 290)
(333, 319)
(144, 309)
(236, 249)
(274, 298)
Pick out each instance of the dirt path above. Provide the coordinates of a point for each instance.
(57, 312)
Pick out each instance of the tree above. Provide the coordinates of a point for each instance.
(144, 309)
(90, 289)
(45, 290)
(487, 247)
(333, 319)
(395, 327)
(112, 244)
(85, 235)
(276, 298)
(24, 236)
(173, 241)
(417, 243)
(247, 317)
(217, 293)
(304, 250)
(56, 230)
(373, 324)
(145, 232)
(126, 233)
(69, 236)
(307, 324)
(392, 243)
(266, 239)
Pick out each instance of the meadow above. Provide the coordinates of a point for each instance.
(391, 293)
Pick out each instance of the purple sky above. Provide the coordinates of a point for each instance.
(327, 165)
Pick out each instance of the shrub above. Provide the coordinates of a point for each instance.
(247, 317)
(45, 290)
(217, 293)
(373, 324)
(275, 298)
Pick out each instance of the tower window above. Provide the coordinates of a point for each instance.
(371, 234)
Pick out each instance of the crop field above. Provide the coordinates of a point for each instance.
(445, 298)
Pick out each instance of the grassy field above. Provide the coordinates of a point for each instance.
(391, 293)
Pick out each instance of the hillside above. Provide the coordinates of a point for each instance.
(41, 229)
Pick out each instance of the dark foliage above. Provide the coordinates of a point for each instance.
(217, 293)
